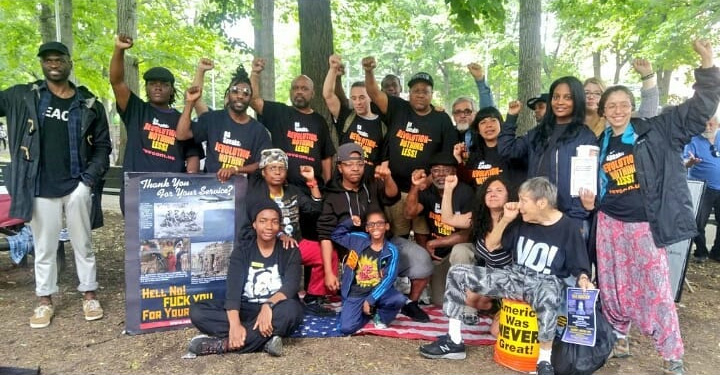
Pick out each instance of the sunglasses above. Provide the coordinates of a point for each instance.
(714, 152)
(244, 90)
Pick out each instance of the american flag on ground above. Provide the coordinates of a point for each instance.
(401, 327)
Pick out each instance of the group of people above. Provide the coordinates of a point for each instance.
(491, 214)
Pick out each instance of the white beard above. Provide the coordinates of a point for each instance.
(462, 126)
(709, 135)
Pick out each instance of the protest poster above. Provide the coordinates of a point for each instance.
(179, 233)
(581, 321)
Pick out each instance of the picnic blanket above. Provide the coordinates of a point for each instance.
(401, 327)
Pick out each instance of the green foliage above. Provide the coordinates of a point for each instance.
(465, 14)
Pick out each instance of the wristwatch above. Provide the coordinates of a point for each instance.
(270, 304)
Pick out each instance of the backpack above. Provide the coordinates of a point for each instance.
(349, 120)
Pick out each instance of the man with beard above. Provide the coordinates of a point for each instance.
(59, 146)
(702, 159)
(357, 124)
(151, 144)
(425, 201)
(234, 139)
(298, 130)
(463, 108)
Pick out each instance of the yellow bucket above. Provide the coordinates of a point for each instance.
(517, 346)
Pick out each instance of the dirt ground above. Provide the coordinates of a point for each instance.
(73, 346)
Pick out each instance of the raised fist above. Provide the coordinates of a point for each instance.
(123, 41)
(258, 65)
(205, 64)
(514, 107)
(369, 64)
(477, 71)
(193, 93)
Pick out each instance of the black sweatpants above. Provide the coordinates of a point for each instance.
(210, 318)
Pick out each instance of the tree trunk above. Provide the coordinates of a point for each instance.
(265, 44)
(597, 63)
(530, 19)
(127, 24)
(316, 44)
(66, 29)
(663, 81)
(47, 23)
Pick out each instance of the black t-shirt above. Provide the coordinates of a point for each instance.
(54, 177)
(484, 162)
(151, 144)
(305, 138)
(368, 273)
(365, 132)
(294, 205)
(622, 199)
(412, 140)
(230, 143)
(263, 279)
(431, 200)
(557, 249)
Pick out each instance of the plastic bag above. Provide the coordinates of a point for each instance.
(573, 359)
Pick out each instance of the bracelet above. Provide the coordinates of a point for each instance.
(311, 184)
(651, 75)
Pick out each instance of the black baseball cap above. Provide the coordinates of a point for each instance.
(444, 158)
(53, 47)
(542, 98)
(159, 73)
(421, 77)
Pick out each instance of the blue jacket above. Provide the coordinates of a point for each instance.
(522, 148)
(358, 242)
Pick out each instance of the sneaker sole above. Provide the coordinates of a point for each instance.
(39, 325)
(277, 350)
(91, 318)
(444, 356)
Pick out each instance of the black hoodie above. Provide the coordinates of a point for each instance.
(341, 203)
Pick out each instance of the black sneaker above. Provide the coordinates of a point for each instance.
(205, 345)
(413, 311)
(274, 347)
(315, 307)
(545, 368)
(443, 348)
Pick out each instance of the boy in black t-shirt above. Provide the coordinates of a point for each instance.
(548, 246)
(369, 273)
(298, 130)
(261, 303)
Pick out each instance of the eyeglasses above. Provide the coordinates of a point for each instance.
(466, 112)
(620, 106)
(276, 168)
(714, 152)
(237, 90)
(596, 94)
(373, 224)
(442, 170)
(353, 164)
